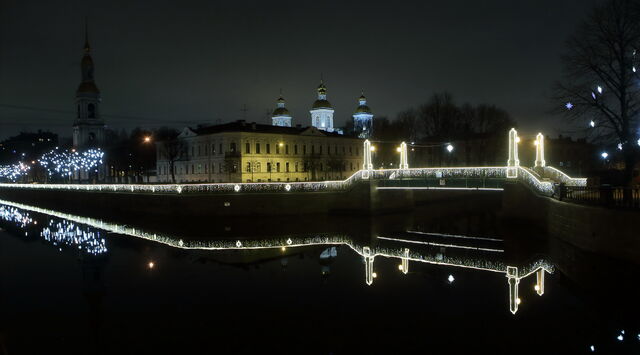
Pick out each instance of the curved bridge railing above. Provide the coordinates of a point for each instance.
(525, 175)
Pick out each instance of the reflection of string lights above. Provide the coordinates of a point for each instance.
(68, 233)
(58, 233)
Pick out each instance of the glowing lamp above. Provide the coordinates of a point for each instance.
(599, 89)
(373, 149)
(374, 275)
(451, 279)
(398, 150)
(518, 300)
(592, 123)
(604, 155)
(449, 148)
(517, 139)
(151, 264)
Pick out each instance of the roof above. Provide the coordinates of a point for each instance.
(88, 87)
(321, 104)
(243, 126)
(281, 111)
(363, 109)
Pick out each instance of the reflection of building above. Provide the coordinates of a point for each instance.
(363, 119)
(88, 128)
(251, 152)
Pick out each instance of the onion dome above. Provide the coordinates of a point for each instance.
(280, 109)
(322, 102)
(362, 108)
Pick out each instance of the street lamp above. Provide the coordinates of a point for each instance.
(147, 139)
(604, 155)
(449, 148)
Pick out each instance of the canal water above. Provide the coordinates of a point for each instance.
(432, 281)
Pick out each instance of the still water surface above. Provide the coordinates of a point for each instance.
(427, 282)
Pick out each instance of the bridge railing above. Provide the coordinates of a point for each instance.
(527, 176)
(606, 196)
(560, 177)
(531, 179)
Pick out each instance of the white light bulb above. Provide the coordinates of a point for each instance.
(592, 123)
(451, 279)
(449, 148)
(604, 155)
(568, 105)
(599, 89)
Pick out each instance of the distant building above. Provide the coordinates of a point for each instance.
(88, 128)
(281, 116)
(363, 119)
(577, 157)
(250, 152)
(322, 111)
(27, 146)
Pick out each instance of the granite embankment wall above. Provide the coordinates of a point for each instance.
(361, 199)
(608, 231)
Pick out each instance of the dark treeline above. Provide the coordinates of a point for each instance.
(478, 133)
(131, 157)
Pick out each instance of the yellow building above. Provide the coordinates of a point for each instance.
(251, 152)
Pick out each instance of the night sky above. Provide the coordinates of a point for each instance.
(189, 62)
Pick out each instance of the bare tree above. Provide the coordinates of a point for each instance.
(173, 150)
(600, 82)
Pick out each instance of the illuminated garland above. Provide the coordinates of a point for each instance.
(64, 163)
(528, 177)
(560, 176)
(13, 172)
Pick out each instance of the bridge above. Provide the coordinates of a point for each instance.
(540, 178)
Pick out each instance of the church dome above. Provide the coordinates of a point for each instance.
(281, 111)
(363, 109)
(321, 104)
(88, 87)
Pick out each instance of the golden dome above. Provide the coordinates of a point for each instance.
(321, 104)
(281, 111)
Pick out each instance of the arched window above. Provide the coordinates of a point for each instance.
(91, 108)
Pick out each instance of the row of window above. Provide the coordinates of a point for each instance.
(280, 148)
(255, 167)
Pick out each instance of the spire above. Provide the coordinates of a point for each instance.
(87, 47)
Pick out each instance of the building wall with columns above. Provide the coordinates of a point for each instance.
(249, 152)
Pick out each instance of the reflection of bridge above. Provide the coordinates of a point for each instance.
(477, 253)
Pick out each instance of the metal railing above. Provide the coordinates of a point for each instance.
(605, 196)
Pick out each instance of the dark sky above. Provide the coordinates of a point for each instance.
(183, 62)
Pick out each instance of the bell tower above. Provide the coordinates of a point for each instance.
(88, 128)
(322, 111)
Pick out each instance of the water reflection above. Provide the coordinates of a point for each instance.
(484, 254)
